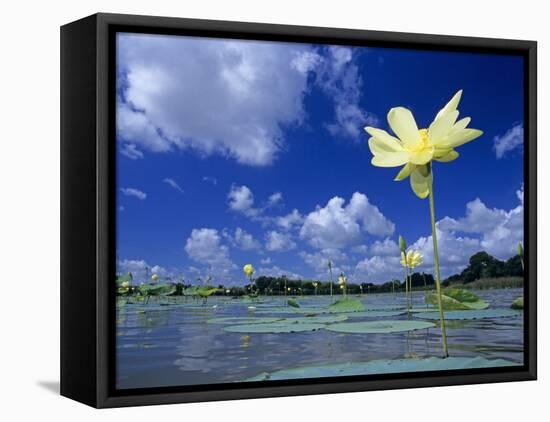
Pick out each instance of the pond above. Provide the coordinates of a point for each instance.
(178, 341)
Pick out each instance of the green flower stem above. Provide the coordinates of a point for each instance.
(409, 270)
(407, 285)
(521, 259)
(436, 259)
(330, 269)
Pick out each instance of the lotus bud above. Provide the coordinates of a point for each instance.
(248, 269)
(402, 244)
(520, 249)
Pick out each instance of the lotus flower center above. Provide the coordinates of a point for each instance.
(424, 142)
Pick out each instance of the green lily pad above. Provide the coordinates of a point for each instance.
(347, 304)
(379, 327)
(375, 314)
(278, 327)
(190, 291)
(395, 307)
(293, 303)
(423, 309)
(242, 320)
(290, 310)
(473, 314)
(123, 291)
(383, 366)
(452, 304)
(462, 295)
(157, 289)
(316, 319)
(518, 303)
(206, 291)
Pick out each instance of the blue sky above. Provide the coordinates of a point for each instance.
(233, 152)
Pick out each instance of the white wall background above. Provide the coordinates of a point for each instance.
(29, 211)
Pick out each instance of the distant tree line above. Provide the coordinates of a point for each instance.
(483, 265)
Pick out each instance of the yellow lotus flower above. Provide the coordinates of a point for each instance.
(125, 284)
(415, 148)
(342, 279)
(248, 269)
(154, 277)
(412, 259)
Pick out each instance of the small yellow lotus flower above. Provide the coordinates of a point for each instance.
(125, 284)
(412, 259)
(414, 148)
(248, 269)
(342, 280)
(341, 286)
(288, 289)
(154, 277)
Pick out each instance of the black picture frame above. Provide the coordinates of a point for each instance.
(88, 216)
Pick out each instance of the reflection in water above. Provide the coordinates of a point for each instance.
(173, 344)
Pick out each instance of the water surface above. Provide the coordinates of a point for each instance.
(170, 343)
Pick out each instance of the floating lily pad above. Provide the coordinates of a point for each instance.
(316, 319)
(383, 366)
(379, 327)
(423, 309)
(452, 304)
(274, 328)
(242, 320)
(518, 303)
(290, 310)
(395, 307)
(462, 295)
(157, 289)
(375, 314)
(347, 304)
(293, 303)
(473, 314)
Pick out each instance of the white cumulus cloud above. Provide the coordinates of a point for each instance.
(241, 200)
(205, 247)
(278, 242)
(214, 96)
(318, 261)
(339, 77)
(378, 269)
(338, 226)
(242, 239)
(290, 220)
(141, 270)
(136, 193)
(275, 198)
(512, 139)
